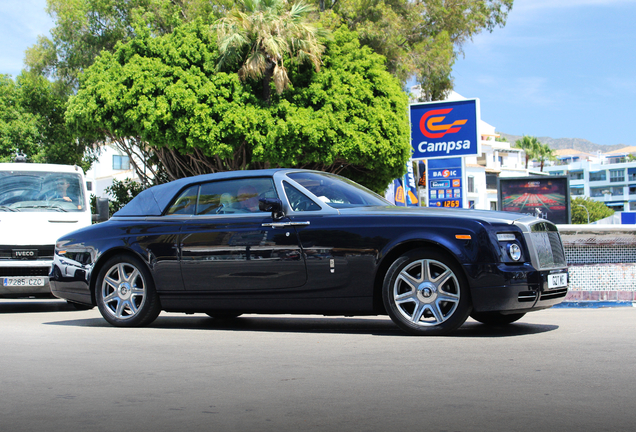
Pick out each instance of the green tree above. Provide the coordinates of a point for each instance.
(596, 210)
(421, 38)
(32, 121)
(261, 34)
(121, 193)
(530, 145)
(165, 95)
(84, 28)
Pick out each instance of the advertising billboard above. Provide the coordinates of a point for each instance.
(445, 129)
(547, 197)
(445, 182)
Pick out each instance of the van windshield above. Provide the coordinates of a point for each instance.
(41, 191)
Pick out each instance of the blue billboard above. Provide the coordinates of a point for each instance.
(445, 182)
(445, 129)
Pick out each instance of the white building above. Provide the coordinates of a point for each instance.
(606, 177)
(112, 164)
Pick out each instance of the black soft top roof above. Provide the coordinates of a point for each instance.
(154, 200)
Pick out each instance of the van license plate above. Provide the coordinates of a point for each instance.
(18, 281)
(557, 280)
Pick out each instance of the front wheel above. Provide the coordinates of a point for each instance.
(125, 293)
(425, 293)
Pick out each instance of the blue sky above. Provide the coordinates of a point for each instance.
(559, 68)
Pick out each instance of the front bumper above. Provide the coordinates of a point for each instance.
(26, 270)
(515, 289)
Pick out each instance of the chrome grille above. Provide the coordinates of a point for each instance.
(547, 246)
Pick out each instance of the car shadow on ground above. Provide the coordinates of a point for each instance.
(15, 306)
(378, 326)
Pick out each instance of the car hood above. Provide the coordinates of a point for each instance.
(487, 216)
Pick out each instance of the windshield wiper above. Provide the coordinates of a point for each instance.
(46, 206)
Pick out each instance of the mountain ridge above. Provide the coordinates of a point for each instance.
(579, 144)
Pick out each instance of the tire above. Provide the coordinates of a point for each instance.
(125, 293)
(425, 293)
(495, 318)
(223, 315)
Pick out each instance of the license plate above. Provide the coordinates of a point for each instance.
(557, 280)
(18, 281)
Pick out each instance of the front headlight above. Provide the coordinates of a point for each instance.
(514, 251)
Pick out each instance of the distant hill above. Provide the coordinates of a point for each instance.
(568, 143)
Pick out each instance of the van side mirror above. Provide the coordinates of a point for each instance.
(273, 205)
(102, 210)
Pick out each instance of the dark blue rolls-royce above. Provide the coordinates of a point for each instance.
(307, 242)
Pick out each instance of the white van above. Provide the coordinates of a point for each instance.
(38, 204)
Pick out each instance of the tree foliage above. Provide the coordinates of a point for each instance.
(421, 38)
(32, 122)
(596, 209)
(165, 94)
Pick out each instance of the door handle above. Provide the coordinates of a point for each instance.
(285, 224)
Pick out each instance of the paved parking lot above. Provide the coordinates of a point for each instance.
(557, 370)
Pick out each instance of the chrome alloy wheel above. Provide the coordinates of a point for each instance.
(426, 292)
(123, 291)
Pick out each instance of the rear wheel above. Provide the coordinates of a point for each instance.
(495, 318)
(425, 293)
(125, 293)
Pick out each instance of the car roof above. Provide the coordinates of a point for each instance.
(153, 201)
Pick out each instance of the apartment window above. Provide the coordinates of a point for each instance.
(89, 185)
(616, 190)
(471, 184)
(632, 189)
(598, 192)
(556, 173)
(491, 181)
(598, 176)
(577, 191)
(631, 174)
(577, 175)
(617, 175)
(121, 162)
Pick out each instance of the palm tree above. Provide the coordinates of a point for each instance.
(544, 153)
(530, 146)
(260, 34)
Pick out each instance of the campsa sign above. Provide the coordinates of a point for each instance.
(445, 129)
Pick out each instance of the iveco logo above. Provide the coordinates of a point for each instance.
(25, 254)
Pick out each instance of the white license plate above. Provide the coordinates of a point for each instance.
(21, 281)
(557, 280)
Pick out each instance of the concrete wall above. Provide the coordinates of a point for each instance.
(601, 262)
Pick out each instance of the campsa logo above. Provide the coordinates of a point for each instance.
(434, 125)
(431, 127)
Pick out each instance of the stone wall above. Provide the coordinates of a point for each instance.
(601, 262)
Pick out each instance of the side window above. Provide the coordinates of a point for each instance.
(298, 201)
(234, 196)
(185, 203)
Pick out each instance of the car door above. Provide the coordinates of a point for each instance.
(228, 245)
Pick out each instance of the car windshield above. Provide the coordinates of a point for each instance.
(336, 191)
(40, 191)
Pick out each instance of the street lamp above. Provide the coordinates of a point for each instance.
(586, 211)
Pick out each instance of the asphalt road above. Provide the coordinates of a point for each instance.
(556, 370)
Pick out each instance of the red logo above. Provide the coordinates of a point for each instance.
(431, 127)
(446, 173)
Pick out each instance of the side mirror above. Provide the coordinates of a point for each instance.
(273, 205)
(102, 210)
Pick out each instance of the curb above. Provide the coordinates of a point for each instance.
(594, 304)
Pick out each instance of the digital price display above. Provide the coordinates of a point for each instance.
(445, 182)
